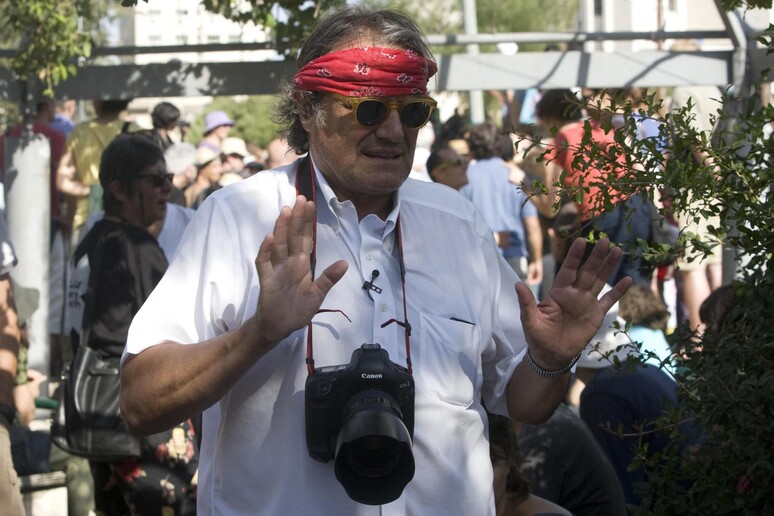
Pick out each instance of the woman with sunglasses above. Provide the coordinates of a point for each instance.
(295, 268)
(117, 265)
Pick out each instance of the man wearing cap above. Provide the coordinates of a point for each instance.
(208, 172)
(233, 152)
(217, 125)
(296, 268)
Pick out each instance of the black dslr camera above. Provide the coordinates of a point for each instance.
(362, 415)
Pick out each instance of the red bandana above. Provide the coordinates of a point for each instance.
(367, 72)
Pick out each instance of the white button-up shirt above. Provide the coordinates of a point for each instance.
(466, 341)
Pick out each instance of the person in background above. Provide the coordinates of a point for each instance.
(63, 116)
(628, 219)
(208, 173)
(648, 315)
(78, 171)
(697, 275)
(504, 206)
(279, 153)
(563, 463)
(621, 405)
(225, 331)
(217, 125)
(715, 309)
(181, 161)
(513, 496)
(233, 152)
(447, 167)
(425, 141)
(165, 117)
(129, 263)
(10, 493)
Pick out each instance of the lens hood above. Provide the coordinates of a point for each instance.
(374, 462)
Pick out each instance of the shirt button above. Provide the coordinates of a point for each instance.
(383, 307)
(368, 256)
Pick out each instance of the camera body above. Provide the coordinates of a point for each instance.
(332, 392)
(362, 415)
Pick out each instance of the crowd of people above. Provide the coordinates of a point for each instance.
(208, 271)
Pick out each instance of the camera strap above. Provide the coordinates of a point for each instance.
(305, 185)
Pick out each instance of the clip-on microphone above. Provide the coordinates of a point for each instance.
(369, 285)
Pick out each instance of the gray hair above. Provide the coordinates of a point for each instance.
(333, 32)
(180, 157)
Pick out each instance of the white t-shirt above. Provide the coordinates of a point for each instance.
(254, 458)
(175, 222)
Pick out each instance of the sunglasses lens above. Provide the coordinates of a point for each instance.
(159, 179)
(415, 114)
(371, 112)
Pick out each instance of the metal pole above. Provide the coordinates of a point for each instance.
(470, 23)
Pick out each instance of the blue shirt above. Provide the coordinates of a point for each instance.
(502, 204)
(655, 342)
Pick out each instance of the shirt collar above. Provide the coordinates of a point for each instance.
(336, 209)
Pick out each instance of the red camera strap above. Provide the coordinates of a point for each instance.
(305, 185)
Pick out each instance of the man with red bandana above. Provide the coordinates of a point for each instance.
(295, 268)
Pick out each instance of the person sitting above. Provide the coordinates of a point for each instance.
(512, 491)
(648, 315)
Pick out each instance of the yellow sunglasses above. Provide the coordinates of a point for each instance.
(371, 111)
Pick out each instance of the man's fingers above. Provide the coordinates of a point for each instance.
(263, 263)
(279, 247)
(330, 276)
(589, 277)
(612, 296)
(527, 302)
(301, 227)
(569, 269)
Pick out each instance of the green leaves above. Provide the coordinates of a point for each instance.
(46, 35)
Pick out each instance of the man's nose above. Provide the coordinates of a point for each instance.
(392, 127)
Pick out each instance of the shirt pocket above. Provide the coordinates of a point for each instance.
(448, 364)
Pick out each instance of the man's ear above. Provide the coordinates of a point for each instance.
(306, 121)
(119, 191)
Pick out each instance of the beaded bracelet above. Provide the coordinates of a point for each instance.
(545, 373)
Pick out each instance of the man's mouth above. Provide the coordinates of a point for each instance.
(382, 154)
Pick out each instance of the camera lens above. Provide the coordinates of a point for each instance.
(374, 462)
(372, 455)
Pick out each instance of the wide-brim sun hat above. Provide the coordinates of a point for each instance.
(233, 145)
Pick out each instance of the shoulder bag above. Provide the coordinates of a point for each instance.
(87, 421)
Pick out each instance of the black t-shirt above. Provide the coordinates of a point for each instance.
(564, 464)
(131, 263)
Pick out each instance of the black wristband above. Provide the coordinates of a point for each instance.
(548, 374)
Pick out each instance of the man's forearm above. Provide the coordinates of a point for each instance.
(9, 341)
(169, 382)
(531, 398)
